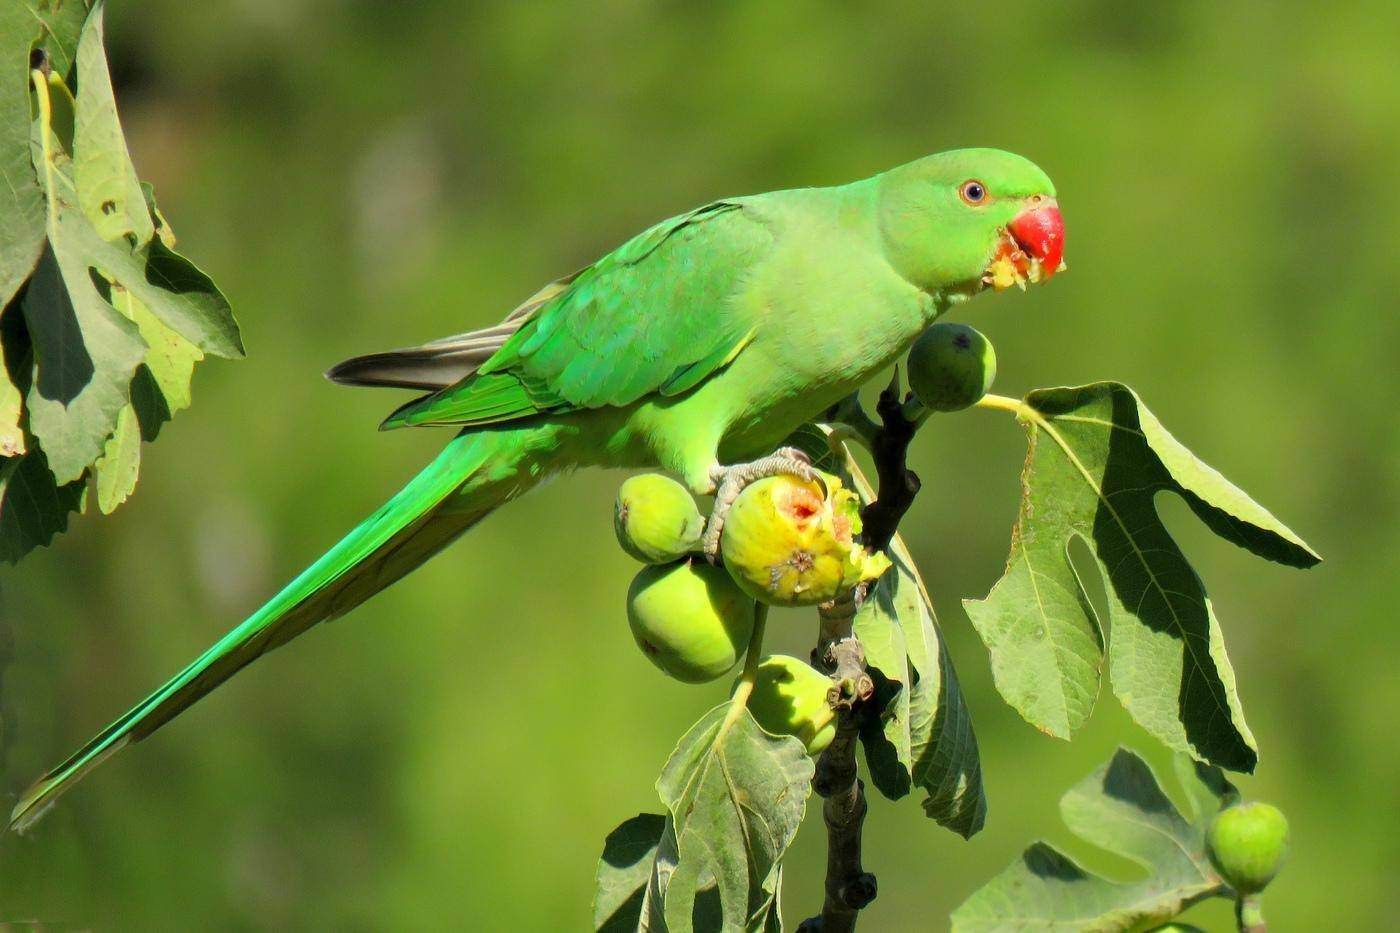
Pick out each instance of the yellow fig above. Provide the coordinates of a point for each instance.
(690, 619)
(786, 544)
(656, 519)
(789, 698)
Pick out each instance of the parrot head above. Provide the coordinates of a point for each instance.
(960, 221)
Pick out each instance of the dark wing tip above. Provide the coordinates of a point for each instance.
(396, 369)
(356, 371)
(337, 373)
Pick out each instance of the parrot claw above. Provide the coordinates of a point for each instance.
(731, 480)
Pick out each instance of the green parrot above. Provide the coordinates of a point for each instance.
(694, 347)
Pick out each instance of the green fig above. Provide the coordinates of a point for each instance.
(951, 366)
(656, 519)
(786, 543)
(1247, 844)
(690, 619)
(789, 698)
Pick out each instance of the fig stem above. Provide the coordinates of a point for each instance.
(1249, 914)
(1001, 403)
(848, 419)
(744, 688)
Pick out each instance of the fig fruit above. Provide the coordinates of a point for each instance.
(1247, 844)
(656, 519)
(788, 545)
(789, 698)
(1177, 928)
(951, 366)
(690, 619)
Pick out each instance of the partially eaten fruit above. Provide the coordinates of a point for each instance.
(1031, 248)
(1012, 265)
(789, 542)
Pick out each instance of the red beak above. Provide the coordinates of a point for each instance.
(1040, 231)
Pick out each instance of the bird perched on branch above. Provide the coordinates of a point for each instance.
(697, 346)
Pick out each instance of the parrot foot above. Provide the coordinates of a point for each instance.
(729, 481)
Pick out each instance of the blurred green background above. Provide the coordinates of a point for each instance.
(361, 175)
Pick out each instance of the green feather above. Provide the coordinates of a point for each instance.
(471, 477)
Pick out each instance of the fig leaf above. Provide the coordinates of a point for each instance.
(1122, 808)
(1097, 459)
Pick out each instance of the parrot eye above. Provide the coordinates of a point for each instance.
(973, 192)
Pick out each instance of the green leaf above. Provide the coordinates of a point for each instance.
(167, 370)
(946, 761)
(108, 190)
(21, 204)
(1097, 459)
(182, 297)
(886, 739)
(100, 179)
(734, 800)
(59, 22)
(111, 320)
(85, 354)
(1121, 808)
(32, 507)
(11, 406)
(114, 474)
(162, 225)
(16, 364)
(924, 734)
(925, 737)
(624, 871)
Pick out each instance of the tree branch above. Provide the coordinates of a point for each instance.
(849, 887)
(898, 485)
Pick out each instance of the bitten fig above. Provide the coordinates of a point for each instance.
(656, 519)
(951, 366)
(1247, 844)
(787, 545)
(690, 619)
(789, 698)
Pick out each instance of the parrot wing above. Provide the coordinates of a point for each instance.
(653, 316)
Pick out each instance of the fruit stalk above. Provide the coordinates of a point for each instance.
(744, 687)
(1249, 914)
(849, 887)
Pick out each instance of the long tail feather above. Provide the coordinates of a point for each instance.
(475, 474)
